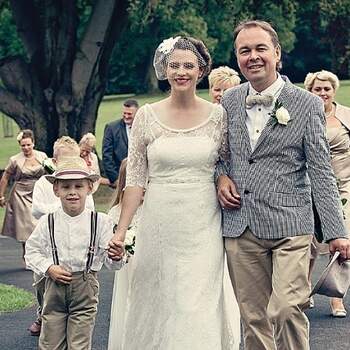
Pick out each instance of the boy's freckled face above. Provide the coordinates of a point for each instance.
(72, 194)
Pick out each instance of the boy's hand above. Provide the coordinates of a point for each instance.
(59, 274)
(115, 249)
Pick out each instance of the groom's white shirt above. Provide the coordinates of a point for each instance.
(258, 115)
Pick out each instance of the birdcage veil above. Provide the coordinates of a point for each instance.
(167, 47)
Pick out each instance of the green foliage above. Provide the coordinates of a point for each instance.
(335, 20)
(310, 53)
(209, 20)
(10, 44)
(151, 22)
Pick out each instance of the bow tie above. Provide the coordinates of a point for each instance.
(252, 100)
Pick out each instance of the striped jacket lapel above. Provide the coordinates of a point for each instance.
(284, 98)
(243, 116)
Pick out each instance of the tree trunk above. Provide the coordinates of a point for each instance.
(57, 90)
(151, 81)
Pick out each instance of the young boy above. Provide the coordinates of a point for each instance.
(69, 247)
(44, 202)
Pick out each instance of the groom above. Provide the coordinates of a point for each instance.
(279, 153)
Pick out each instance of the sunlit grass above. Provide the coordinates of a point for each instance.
(14, 299)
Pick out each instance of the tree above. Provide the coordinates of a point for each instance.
(210, 20)
(150, 23)
(57, 86)
(335, 19)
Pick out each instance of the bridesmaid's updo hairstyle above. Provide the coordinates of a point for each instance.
(166, 48)
(323, 75)
(25, 134)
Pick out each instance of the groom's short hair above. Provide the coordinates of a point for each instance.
(267, 27)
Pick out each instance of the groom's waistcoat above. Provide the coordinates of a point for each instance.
(276, 178)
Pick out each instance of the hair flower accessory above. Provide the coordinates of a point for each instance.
(167, 45)
(280, 114)
(19, 136)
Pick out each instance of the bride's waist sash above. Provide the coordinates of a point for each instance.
(181, 180)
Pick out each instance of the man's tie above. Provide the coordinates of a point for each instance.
(252, 100)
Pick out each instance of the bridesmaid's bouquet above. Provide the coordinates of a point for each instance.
(48, 166)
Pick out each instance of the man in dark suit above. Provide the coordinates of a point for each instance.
(115, 140)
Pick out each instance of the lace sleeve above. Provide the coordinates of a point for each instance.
(136, 170)
(224, 151)
(223, 165)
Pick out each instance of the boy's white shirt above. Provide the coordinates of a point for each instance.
(45, 201)
(72, 237)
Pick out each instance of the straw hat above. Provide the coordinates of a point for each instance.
(335, 279)
(72, 168)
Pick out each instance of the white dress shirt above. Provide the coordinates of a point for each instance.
(128, 130)
(45, 200)
(72, 237)
(258, 115)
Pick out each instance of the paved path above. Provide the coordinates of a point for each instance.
(326, 333)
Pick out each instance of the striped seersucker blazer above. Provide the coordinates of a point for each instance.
(275, 180)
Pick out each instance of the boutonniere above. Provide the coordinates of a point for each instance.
(280, 114)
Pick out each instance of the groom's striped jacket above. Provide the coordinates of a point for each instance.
(276, 179)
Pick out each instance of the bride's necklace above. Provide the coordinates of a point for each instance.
(330, 113)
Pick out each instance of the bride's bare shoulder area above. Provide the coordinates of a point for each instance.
(159, 105)
(206, 106)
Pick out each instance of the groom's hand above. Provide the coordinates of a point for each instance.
(227, 193)
(342, 245)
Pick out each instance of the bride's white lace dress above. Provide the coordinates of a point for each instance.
(175, 299)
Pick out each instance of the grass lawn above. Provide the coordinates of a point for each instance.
(14, 299)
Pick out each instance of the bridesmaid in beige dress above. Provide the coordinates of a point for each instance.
(325, 84)
(25, 168)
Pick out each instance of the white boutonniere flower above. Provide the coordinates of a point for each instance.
(280, 114)
(168, 44)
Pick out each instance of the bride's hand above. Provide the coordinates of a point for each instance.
(116, 248)
(228, 196)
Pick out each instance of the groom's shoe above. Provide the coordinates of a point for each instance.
(337, 307)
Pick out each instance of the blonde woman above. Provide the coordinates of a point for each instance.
(25, 168)
(325, 84)
(87, 152)
(220, 79)
(87, 145)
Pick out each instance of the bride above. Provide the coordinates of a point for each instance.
(176, 297)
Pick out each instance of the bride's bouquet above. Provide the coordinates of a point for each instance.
(129, 243)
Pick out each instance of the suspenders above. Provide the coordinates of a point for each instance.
(52, 239)
(92, 245)
(91, 250)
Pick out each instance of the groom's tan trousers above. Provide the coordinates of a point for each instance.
(270, 279)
